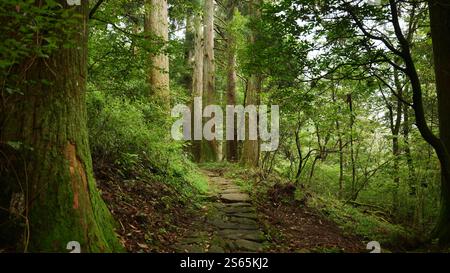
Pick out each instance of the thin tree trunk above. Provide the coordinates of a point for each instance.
(299, 152)
(407, 149)
(313, 167)
(352, 150)
(395, 130)
(341, 160)
(341, 149)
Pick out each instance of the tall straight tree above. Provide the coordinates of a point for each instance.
(440, 33)
(46, 178)
(197, 77)
(189, 48)
(210, 151)
(231, 145)
(157, 24)
(250, 148)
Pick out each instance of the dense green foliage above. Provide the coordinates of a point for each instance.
(127, 129)
(336, 87)
(352, 143)
(340, 97)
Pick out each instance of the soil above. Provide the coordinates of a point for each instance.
(300, 229)
(150, 215)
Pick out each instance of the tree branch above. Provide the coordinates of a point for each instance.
(95, 8)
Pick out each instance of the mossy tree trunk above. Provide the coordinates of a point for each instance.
(231, 145)
(46, 177)
(210, 149)
(197, 80)
(250, 148)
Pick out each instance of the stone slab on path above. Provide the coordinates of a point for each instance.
(230, 223)
(236, 226)
(242, 234)
(248, 214)
(231, 190)
(234, 197)
(246, 245)
(241, 220)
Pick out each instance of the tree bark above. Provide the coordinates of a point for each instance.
(48, 184)
(189, 50)
(440, 33)
(156, 24)
(341, 148)
(300, 155)
(232, 145)
(197, 78)
(352, 149)
(407, 149)
(210, 149)
(395, 130)
(250, 148)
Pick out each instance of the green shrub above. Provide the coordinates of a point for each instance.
(134, 137)
(354, 221)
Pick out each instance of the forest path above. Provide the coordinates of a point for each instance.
(227, 222)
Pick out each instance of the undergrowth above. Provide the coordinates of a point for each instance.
(147, 179)
(122, 134)
(352, 220)
(364, 224)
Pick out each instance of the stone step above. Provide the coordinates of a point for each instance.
(230, 225)
(250, 214)
(251, 235)
(230, 220)
(245, 245)
(240, 220)
(235, 197)
(230, 190)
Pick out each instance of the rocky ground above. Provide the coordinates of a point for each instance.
(228, 221)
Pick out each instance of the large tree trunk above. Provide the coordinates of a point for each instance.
(210, 149)
(189, 50)
(250, 148)
(439, 21)
(197, 79)
(157, 24)
(232, 145)
(47, 184)
(440, 32)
